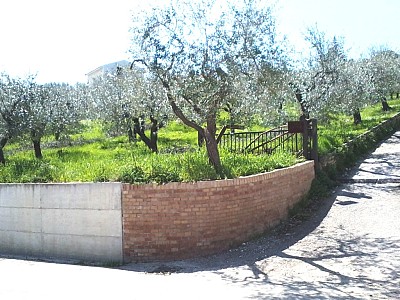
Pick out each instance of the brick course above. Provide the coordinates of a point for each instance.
(183, 220)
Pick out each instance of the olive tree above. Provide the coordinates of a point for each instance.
(51, 109)
(354, 89)
(13, 96)
(24, 109)
(38, 114)
(384, 68)
(66, 106)
(126, 100)
(110, 103)
(207, 55)
(150, 104)
(317, 84)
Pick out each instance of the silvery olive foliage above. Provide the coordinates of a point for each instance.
(29, 109)
(384, 70)
(13, 96)
(67, 105)
(51, 109)
(318, 84)
(210, 56)
(129, 98)
(333, 83)
(354, 88)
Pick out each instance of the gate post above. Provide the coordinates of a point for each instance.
(314, 140)
(306, 152)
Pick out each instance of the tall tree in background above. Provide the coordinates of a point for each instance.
(207, 55)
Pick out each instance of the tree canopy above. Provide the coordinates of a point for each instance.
(193, 60)
(209, 55)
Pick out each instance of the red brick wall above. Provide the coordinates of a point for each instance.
(182, 220)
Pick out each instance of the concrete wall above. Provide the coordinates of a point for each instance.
(182, 220)
(74, 221)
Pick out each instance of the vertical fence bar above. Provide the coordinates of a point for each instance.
(305, 140)
(314, 138)
(278, 139)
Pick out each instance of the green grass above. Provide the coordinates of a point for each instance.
(128, 163)
(340, 128)
(91, 156)
(95, 158)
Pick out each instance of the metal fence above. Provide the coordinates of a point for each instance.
(297, 137)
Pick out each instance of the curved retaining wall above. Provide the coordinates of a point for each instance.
(182, 220)
(121, 222)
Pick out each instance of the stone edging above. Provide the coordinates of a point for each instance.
(377, 133)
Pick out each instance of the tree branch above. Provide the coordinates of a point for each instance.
(194, 105)
(179, 113)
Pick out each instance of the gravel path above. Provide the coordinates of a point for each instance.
(348, 247)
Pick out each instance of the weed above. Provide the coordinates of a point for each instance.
(132, 174)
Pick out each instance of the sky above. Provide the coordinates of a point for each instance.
(63, 40)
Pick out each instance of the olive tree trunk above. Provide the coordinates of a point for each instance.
(212, 146)
(385, 105)
(36, 137)
(3, 142)
(357, 117)
(151, 142)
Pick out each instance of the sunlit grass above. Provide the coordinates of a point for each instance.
(91, 156)
(131, 163)
(88, 130)
(340, 128)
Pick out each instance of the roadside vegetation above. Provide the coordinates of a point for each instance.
(340, 129)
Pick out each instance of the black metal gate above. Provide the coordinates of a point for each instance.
(298, 137)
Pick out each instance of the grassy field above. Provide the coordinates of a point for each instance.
(95, 157)
(340, 129)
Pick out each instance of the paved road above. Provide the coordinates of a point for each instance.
(349, 249)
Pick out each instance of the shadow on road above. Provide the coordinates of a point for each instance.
(361, 253)
(270, 244)
(273, 242)
(250, 264)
